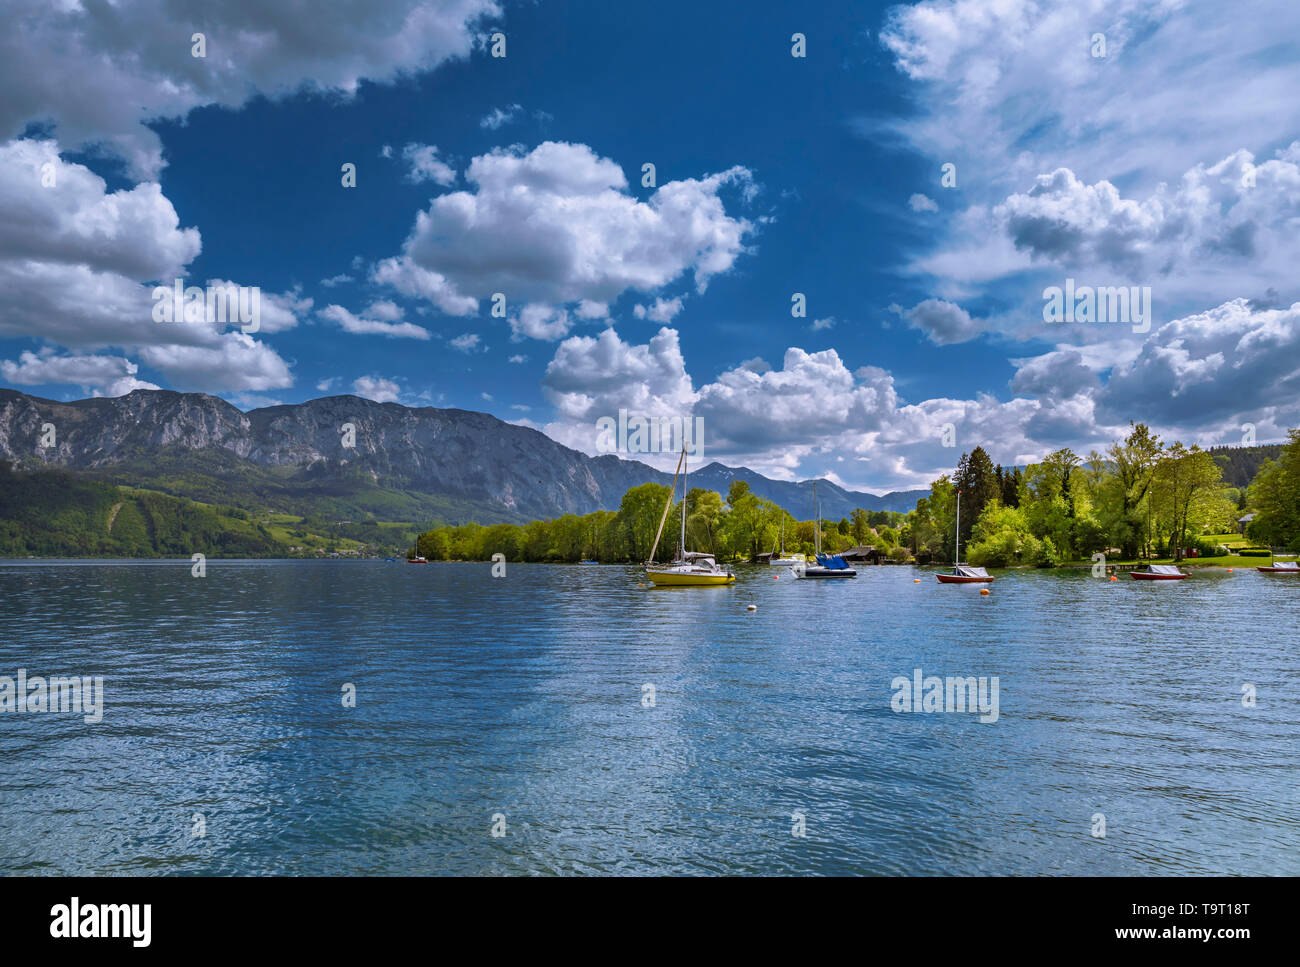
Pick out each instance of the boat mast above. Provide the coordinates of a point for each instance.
(817, 534)
(686, 472)
(957, 533)
(667, 506)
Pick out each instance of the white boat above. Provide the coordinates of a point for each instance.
(783, 559)
(1158, 572)
(690, 568)
(788, 560)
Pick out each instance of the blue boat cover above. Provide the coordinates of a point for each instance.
(832, 562)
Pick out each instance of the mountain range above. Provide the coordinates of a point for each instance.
(349, 457)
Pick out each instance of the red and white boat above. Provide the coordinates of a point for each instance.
(417, 560)
(963, 573)
(1280, 567)
(1158, 572)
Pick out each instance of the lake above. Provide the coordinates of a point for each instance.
(520, 705)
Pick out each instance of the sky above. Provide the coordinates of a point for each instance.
(916, 183)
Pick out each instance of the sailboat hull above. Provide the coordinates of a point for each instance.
(961, 579)
(680, 579)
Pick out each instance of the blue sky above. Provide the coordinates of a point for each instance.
(1166, 156)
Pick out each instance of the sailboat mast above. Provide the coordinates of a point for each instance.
(957, 533)
(817, 533)
(668, 505)
(686, 472)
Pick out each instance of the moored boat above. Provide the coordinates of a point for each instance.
(1280, 567)
(1159, 572)
(696, 569)
(963, 573)
(828, 565)
(690, 568)
(782, 559)
(417, 560)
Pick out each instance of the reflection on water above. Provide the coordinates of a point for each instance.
(523, 696)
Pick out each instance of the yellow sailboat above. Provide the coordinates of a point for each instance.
(693, 569)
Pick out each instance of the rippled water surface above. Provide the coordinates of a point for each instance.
(523, 696)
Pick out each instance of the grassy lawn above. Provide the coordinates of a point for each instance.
(1231, 541)
(1229, 560)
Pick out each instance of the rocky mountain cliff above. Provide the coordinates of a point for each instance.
(396, 462)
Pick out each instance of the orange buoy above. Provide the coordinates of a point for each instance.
(1113, 578)
(985, 591)
(916, 580)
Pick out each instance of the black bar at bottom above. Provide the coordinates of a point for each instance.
(335, 916)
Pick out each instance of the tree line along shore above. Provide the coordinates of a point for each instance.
(1139, 499)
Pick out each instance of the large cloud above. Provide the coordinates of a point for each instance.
(1232, 211)
(231, 361)
(591, 374)
(57, 212)
(99, 71)
(100, 375)
(1211, 368)
(77, 267)
(1010, 88)
(1195, 379)
(811, 414)
(1221, 231)
(1061, 373)
(1138, 167)
(556, 226)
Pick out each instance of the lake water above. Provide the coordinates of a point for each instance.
(523, 698)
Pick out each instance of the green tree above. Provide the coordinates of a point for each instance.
(978, 485)
(1002, 538)
(1134, 465)
(1184, 490)
(1275, 496)
(860, 525)
(639, 514)
(704, 520)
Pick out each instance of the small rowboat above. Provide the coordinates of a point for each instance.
(1158, 572)
(1280, 567)
(965, 574)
